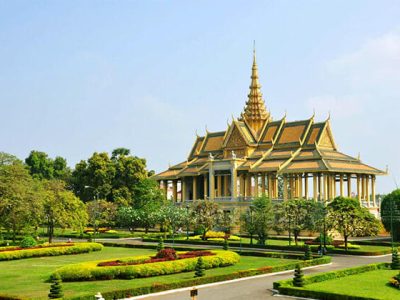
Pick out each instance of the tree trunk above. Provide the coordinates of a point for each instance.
(345, 242)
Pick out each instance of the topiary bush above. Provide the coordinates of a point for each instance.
(226, 245)
(200, 268)
(308, 253)
(28, 242)
(395, 260)
(56, 287)
(160, 245)
(298, 279)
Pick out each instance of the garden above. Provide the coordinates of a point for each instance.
(135, 271)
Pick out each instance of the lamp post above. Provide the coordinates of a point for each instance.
(96, 208)
(187, 221)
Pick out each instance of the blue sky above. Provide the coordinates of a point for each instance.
(84, 76)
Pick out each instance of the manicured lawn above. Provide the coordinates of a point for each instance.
(26, 278)
(371, 284)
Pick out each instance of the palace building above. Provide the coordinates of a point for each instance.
(258, 155)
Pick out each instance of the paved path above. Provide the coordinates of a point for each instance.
(260, 288)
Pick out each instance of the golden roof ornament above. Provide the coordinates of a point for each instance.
(255, 113)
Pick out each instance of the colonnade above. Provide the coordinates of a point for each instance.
(317, 186)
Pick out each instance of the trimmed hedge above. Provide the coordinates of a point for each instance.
(159, 287)
(51, 251)
(280, 247)
(90, 270)
(286, 287)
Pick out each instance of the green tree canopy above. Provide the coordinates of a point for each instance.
(61, 208)
(20, 199)
(41, 166)
(346, 216)
(390, 213)
(206, 215)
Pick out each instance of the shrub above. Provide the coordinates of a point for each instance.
(56, 287)
(308, 253)
(90, 270)
(51, 250)
(28, 242)
(320, 239)
(349, 246)
(298, 279)
(200, 269)
(226, 244)
(395, 260)
(168, 253)
(160, 245)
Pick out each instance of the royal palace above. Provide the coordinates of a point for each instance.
(258, 155)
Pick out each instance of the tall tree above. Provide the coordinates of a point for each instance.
(390, 213)
(40, 165)
(296, 215)
(20, 199)
(262, 216)
(206, 214)
(101, 213)
(61, 208)
(8, 159)
(346, 216)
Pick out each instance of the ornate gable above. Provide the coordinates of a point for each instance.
(235, 140)
(326, 139)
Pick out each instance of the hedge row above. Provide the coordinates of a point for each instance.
(286, 287)
(51, 251)
(159, 287)
(279, 247)
(90, 270)
(148, 246)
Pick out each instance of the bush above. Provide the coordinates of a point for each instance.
(50, 250)
(28, 242)
(349, 246)
(298, 279)
(200, 269)
(160, 245)
(308, 253)
(56, 287)
(226, 245)
(90, 270)
(320, 239)
(395, 260)
(168, 253)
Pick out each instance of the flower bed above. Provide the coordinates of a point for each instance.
(92, 270)
(49, 250)
(18, 248)
(154, 259)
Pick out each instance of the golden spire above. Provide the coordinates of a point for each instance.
(255, 113)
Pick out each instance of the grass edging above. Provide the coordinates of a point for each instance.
(285, 287)
(159, 287)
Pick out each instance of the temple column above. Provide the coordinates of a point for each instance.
(211, 182)
(320, 187)
(234, 182)
(373, 190)
(242, 185)
(291, 187)
(285, 188)
(367, 197)
(275, 187)
(348, 185)
(270, 186)
(315, 187)
(306, 186)
(205, 186)
(165, 186)
(341, 186)
(226, 186)
(219, 186)
(175, 190)
(334, 186)
(300, 186)
(255, 185)
(248, 185)
(194, 188)
(326, 176)
(183, 189)
(263, 183)
(358, 188)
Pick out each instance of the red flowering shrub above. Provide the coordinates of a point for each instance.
(167, 253)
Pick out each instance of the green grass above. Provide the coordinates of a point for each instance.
(373, 284)
(27, 277)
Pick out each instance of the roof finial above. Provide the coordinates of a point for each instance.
(206, 129)
(197, 135)
(254, 50)
(359, 156)
(329, 116)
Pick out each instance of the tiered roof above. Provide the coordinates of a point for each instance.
(263, 145)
